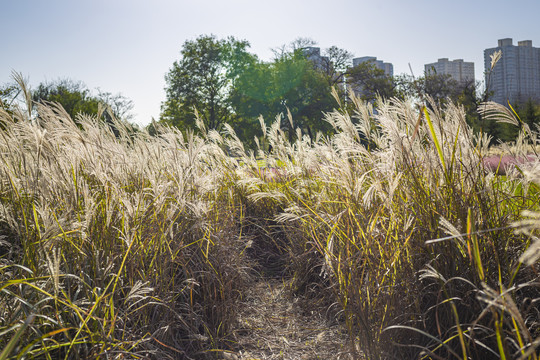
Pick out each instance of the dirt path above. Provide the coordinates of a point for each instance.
(273, 325)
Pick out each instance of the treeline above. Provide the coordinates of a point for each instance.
(225, 83)
(74, 97)
(220, 81)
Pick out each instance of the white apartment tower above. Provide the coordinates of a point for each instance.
(388, 68)
(516, 76)
(458, 69)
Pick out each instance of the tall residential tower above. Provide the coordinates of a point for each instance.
(516, 77)
(458, 69)
(388, 68)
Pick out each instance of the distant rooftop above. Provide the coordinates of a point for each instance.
(509, 42)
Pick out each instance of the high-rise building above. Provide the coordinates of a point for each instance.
(458, 69)
(516, 76)
(388, 68)
(313, 54)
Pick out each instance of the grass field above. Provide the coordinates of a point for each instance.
(118, 244)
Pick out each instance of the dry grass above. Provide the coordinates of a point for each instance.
(115, 242)
(397, 219)
(273, 324)
(121, 244)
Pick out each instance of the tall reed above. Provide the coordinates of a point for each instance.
(401, 222)
(114, 242)
(117, 243)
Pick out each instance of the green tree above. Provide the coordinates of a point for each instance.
(406, 86)
(298, 44)
(202, 80)
(8, 93)
(470, 97)
(529, 113)
(443, 89)
(254, 95)
(119, 105)
(290, 83)
(76, 98)
(370, 82)
(336, 63)
(15, 98)
(305, 91)
(439, 87)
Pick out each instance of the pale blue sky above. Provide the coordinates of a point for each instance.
(127, 46)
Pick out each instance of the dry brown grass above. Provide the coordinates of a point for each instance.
(274, 324)
(121, 244)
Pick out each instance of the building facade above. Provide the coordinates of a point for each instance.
(313, 54)
(388, 68)
(516, 76)
(459, 70)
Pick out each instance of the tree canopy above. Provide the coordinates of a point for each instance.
(202, 80)
(370, 82)
(290, 83)
(225, 83)
(7, 96)
(76, 98)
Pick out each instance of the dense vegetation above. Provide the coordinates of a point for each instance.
(225, 83)
(120, 244)
(375, 205)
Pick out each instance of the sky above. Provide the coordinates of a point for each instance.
(128, 46)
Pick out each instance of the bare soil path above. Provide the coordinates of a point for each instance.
(273, 324)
